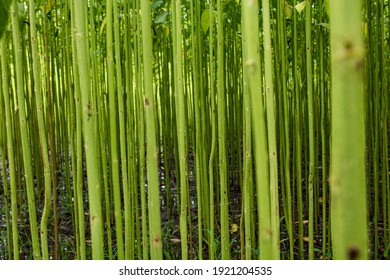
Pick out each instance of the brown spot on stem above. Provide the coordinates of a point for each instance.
(353, 253)
(89, 109)
(147, 102)
(268, 232)
(157, 240)
(348, 45)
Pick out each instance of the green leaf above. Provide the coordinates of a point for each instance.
(205, 20)
(300, 6)
(156, 4)
(161, 17)
(4, 13)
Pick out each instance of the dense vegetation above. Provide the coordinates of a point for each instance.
(217, 129)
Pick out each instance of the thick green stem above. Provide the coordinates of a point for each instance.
(88, 118)
(271, 131)
(347, 181)
(152, 150)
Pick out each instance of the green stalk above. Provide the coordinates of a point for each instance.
(24, 128)
(113, 130)
(10, 148)
(141, 139)
(49, 48)
(250, 52)
(42, 132)
(284, 121)
(298, 132)
(225, 243)
(201, 186)
(324, 131)
(78, 166)
(122, 132)
(347, 181)
(309, 73)
(130, 219)
(271, 131)
(384, 116)
(247, 178)
(70, 123)
(213, 134)
(3, 149)
(94, 189)
(203, 147)
(181, 128)
(152, 151)
(253, 68)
